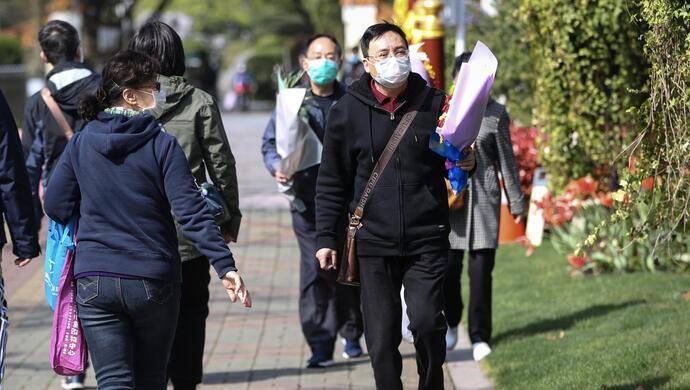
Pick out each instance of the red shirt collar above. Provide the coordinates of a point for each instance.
(389, 103)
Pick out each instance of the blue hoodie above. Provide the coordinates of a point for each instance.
(122, 176)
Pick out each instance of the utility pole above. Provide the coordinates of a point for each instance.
(459, 26)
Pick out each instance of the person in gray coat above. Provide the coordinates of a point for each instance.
(474, 227)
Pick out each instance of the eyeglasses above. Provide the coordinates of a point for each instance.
(399, 53)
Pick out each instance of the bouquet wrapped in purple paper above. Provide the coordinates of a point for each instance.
(462, 115)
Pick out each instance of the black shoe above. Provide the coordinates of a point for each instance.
(74, 382)
(319, 360)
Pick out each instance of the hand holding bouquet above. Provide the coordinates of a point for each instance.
(463, 112)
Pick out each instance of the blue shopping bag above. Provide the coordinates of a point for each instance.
(59, 242)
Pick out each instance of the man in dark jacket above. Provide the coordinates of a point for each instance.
(15, 205)
(404, 235)
(325, 307)
(68, 80)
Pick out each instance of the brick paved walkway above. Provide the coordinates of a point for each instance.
(260, 348)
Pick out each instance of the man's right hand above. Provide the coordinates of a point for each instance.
(327, 258)
(281, 177)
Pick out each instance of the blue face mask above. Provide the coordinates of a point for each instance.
(322, 71)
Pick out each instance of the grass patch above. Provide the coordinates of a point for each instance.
(616, 331)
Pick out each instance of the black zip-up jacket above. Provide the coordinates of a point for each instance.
(15, 193)
(43, 139)
(407, 212)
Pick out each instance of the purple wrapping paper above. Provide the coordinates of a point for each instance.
(472, 87)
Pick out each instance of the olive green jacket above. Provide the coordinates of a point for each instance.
(192, 116)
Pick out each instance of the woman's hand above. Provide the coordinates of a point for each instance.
(281, 177)
(234, 286)
(467, 163)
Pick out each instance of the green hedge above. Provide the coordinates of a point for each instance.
(588, 63)
(10, 50)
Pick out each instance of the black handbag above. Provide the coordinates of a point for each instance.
(215, 202)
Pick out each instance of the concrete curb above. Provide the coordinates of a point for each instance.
(465, 372)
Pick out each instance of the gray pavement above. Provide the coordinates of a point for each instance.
(260, 348)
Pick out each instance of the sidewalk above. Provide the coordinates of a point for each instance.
(260, 348)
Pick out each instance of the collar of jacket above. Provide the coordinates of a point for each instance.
(338, 90)
(66, 74)
(361, 89)
(67, 66)
(176, 90)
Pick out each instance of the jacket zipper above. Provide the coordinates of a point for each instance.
(401, 200)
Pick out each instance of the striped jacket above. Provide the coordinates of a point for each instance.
(475, 226)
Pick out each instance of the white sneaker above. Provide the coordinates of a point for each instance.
(451, 338)
(480, 351)
(407, 335)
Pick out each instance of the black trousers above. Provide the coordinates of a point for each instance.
(479, 314)
(185, 367)
(326, 308)
(422, 276)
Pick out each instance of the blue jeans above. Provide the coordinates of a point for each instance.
(129, 325)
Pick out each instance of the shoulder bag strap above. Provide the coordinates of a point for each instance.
(391, 146)
(57, 113)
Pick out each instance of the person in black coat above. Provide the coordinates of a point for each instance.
(404, 235)
(326, 308)
(68, 80)
(16, 208)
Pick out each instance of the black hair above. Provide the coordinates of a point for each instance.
(459, 60)
(126, 69)
(314, 37)
(375, 31)
(59, 41)
(161, 42)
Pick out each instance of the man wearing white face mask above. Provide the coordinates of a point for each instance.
(326, 308)
(402, 218)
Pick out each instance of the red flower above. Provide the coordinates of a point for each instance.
(605, 199)
(524, 148)
(648, 183)
(577, 261)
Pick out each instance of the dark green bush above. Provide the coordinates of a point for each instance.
(10, 50)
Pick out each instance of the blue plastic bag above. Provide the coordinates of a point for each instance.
(60, 240)
(457, 177)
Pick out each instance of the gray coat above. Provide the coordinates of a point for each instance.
(475, 226)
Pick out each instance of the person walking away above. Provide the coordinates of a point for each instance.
(474, 227)
(44, 134)
(326, 308)
(44, 139)
(192, 117)
(16, 209)
(122, 175)
(403, 236)
(243, 85)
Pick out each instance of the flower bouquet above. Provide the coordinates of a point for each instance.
(297, 145)
(463, 112)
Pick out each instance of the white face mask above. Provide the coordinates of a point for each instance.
(158, 98)
(392, 72)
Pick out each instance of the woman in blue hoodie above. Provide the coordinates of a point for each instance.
(121, 176)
